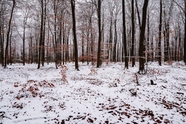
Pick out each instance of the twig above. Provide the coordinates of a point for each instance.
(30, 119)
(136, 79)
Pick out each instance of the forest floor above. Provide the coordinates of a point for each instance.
(106, 95)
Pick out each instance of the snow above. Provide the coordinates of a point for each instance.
(92, 95)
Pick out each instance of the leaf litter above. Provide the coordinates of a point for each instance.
(107, 95)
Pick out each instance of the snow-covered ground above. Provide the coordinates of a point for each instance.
(106, 95)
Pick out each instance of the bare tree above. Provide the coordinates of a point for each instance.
(111, 11)
(116, 12)
(185, 35)
(2, 12)
(142, 37)
(167, 17)
(184, 11)
(160, 27)
(25, 10)
(108, 35)
(133, 33)
(124, 35)
(8, 33)
(41, 32)
(99, 34)
(74, 34)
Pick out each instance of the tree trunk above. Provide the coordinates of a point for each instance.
(48, 44)
(115, 41)
(124, 35)
(88, 43)
(36, 55)
(61, 40)
(8, 33)
(92, 41)
(185, 37)
(64, 45)
(167, 51)
(10, 56)
(133, 34)
(41, 35)
(179, 45)
(2, 45)
(99, 34)
(31, 49)
(24, 42)
(160, 27)
(102, 33)
(67, 52)
(176, 46)
(110, 38)
(139, 22)
(74, 34)
(82, 49)
(166, 44)
(55, 43)
(2, 20)
(148, 38)
(142, 37)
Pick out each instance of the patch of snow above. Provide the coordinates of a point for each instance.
(108, 94)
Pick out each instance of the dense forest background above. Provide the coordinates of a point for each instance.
(92, 31)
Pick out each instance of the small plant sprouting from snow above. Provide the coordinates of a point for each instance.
(63, 73)
(93, 71)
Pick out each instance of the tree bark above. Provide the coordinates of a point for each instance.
(142, 37)
(115, 41)
(148, 38)
(167, 51)
(110, 37)
(31, 49)
(92, 40)
(1, 47)
(74, 34)
(41, 35)
(64, 45)
(179, 48)
(2, 12)
(1, 43)
(10, 49)
(24, 27)
(82, 49)
(185, 36)
(55, 42)
(88, 43)
(160, 27)
(99, 34)
(61, 39)
(124, 35)
(138, 14)
(133, 34)
(8, 33)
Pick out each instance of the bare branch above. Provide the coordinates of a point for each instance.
(179, 6)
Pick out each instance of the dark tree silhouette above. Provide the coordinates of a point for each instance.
(133, 33)
(99, 35)
(41, 34)
(8, 33)
(185, 37)
(160, 27)
(142, 37)
(124, 35)
(74, 34)
(2, 34)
